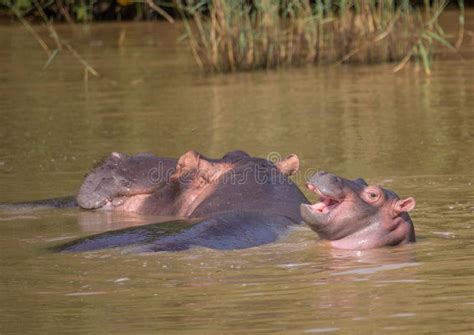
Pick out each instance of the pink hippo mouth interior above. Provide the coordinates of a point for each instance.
(326, 203)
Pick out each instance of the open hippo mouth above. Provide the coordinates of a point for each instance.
(330, 190)
(326, 203)
(321, 215)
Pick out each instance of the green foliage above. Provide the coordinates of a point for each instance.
(77, 10)
(82, 13)
(21, 5)
(231, 35)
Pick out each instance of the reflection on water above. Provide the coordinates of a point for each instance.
(408, 132)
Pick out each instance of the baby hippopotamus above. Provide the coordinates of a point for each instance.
(354, 215)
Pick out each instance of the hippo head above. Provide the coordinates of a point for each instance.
(104, 182)
(354, 215)
(194, 179)
(120, 176)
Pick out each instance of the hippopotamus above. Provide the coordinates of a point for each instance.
(354, 215)
(237, 201)
(192, 186)
(234, 202)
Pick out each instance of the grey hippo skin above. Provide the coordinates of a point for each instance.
(234, 202)
(354, 215)
(120, 175)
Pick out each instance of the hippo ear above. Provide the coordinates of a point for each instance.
(188, 161)
(290, 165)
(405, 205)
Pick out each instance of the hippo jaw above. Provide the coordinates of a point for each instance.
(125, 203)
(349, 218)
(318, 215)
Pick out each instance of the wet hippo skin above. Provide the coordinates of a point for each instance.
(234, 202)
(120, 175)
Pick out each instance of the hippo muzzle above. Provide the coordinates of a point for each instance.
(332, 191)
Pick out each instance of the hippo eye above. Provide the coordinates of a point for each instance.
(372, 194)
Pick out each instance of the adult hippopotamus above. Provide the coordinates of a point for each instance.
(193, 185)
(234, 202)
(354, 215)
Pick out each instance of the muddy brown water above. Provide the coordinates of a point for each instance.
(411, 133)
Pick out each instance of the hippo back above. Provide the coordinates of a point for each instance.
(254, 185)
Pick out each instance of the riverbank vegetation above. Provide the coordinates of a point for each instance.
(240, 35)
(232, 35)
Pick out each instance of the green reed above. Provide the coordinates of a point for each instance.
(232, 35)
(58, 44)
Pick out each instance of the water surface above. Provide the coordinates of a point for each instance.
(409, 132)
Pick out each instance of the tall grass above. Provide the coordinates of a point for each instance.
(58, 43)
(231, 35)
